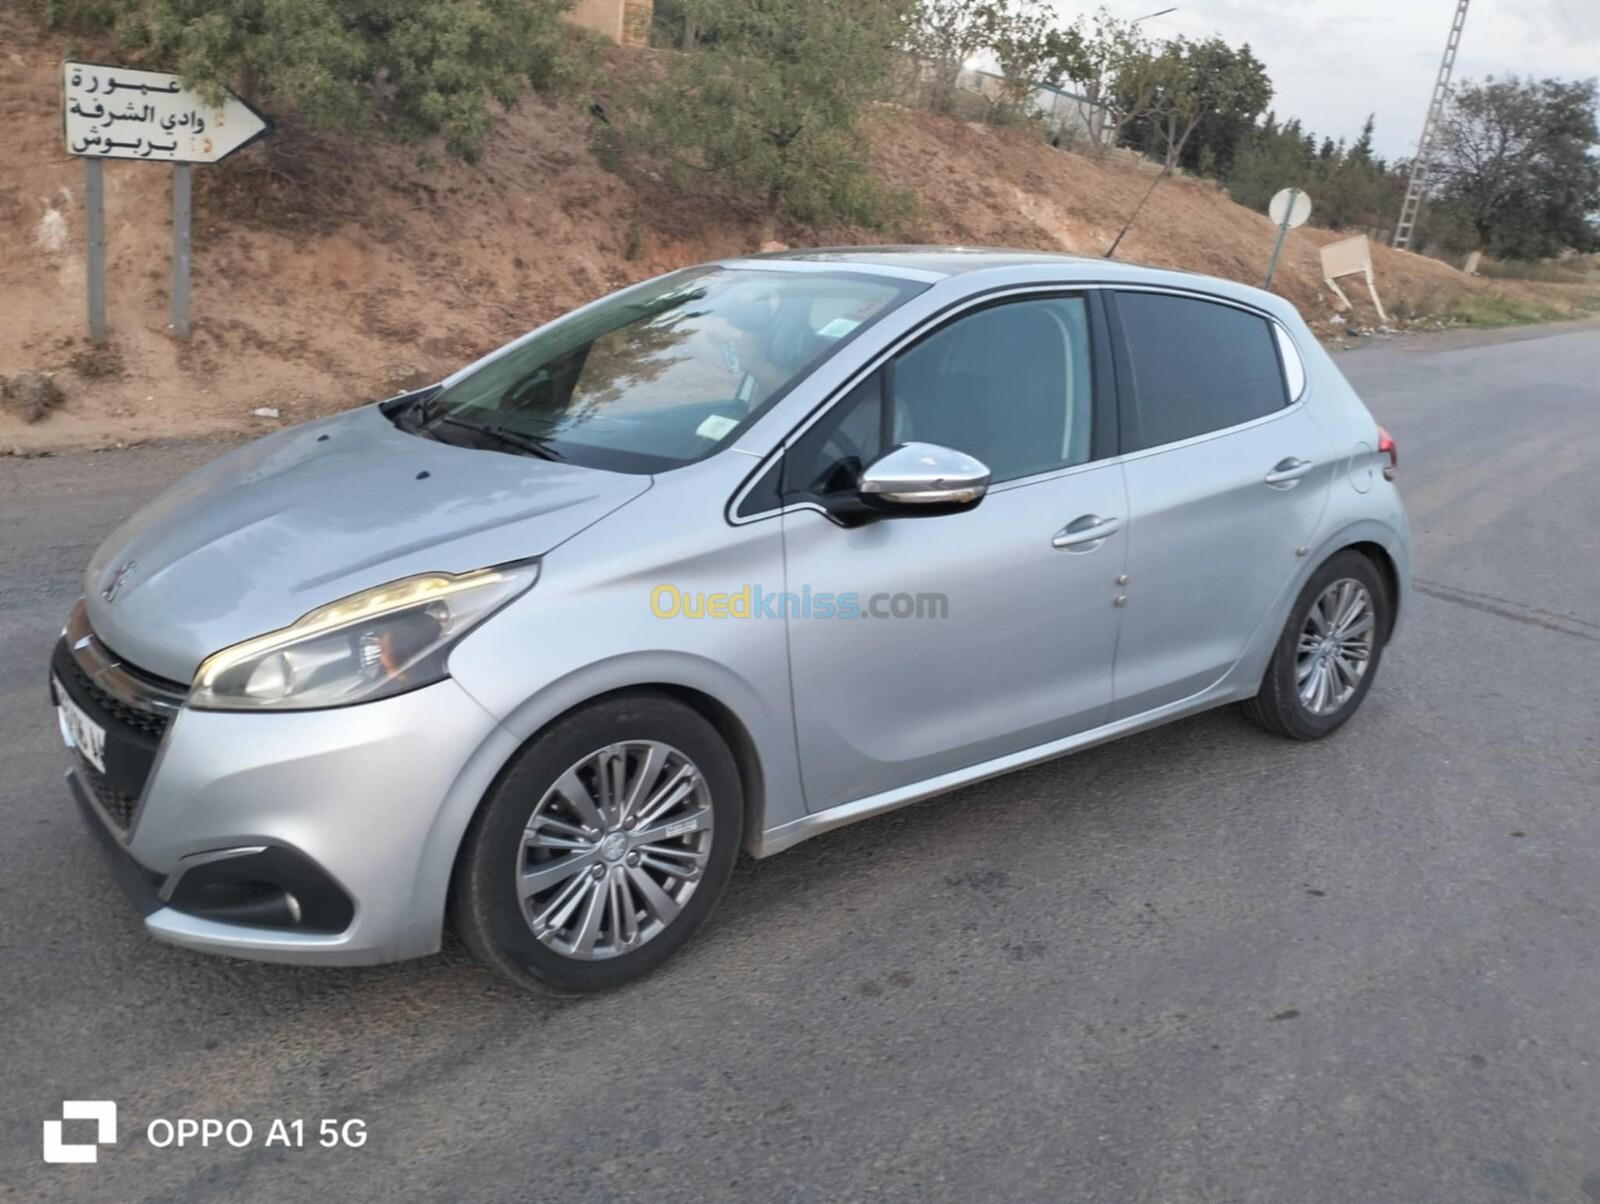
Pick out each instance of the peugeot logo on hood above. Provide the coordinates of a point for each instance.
(112, 586)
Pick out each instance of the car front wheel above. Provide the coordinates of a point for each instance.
(1328, 653)
(602, 847)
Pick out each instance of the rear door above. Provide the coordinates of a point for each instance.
(1227, 479)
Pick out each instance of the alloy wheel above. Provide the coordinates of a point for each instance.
(1335, 646)
(614, 850)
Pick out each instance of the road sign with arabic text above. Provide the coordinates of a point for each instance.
(120, 113)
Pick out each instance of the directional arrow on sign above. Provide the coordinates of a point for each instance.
(121, 113)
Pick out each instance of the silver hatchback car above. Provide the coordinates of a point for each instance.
(730, 558)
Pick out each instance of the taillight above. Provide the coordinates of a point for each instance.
(1386, 447)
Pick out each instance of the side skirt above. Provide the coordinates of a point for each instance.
(775, 840)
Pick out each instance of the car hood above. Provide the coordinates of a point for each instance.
(264, 534)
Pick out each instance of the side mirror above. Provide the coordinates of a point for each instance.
(923, 478)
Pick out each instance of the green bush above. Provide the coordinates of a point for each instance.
(771, 104)
(412, 68)
(78, 16)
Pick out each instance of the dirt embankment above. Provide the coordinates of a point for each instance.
(327, 274)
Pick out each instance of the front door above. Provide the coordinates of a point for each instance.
(922, 645)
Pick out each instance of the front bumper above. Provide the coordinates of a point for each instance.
(313, 836)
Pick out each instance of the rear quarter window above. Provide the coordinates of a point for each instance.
(1195, 367)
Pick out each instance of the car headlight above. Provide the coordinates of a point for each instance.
(370, 645)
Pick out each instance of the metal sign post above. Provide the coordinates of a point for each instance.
(181, 177)
(1289, 208)
(94, 222)
(122, 113)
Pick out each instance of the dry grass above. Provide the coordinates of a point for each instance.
(1581, 269)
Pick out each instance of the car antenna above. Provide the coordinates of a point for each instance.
(1132, 217)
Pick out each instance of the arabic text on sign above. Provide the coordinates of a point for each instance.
(125, 113)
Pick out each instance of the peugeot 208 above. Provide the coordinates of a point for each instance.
(728, 559)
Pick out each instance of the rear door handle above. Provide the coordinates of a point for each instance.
(1286, 473)
(1086, 533)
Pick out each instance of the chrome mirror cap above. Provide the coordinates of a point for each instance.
(925, 474)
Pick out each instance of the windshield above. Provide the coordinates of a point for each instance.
(665, 374)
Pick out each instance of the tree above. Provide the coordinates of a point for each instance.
(412, 67)
(1266, 160)
(1353, 191)
(772, 102)
(945, 35)
(1187, 80)
(1028, 48)
(1233, 90)
(1349, 187)
(1112, 64)
(1197, 81)
(1361, 152)
(1514, 157)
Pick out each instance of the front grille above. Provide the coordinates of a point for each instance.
(148, 720)
(118, 806)
(134, 707)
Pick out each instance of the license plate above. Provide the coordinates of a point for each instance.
(80, 731)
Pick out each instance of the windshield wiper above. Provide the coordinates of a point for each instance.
(515, 439)
(409, 411)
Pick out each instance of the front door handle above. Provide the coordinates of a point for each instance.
(1286, 473)
(1086, 533)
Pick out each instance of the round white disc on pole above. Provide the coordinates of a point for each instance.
(1297, 213)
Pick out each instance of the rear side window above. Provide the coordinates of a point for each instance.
(1196, 366)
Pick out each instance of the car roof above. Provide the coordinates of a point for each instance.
(932, 263)
(942, 261)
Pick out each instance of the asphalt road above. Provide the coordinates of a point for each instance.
(1200, 964)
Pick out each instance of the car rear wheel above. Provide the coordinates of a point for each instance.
(602, 847)
(1328, 653)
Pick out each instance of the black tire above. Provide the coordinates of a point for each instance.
(1277, 706)
(485, 906)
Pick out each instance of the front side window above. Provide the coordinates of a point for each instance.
(657, 377)
(1197, 366)
(1010, 384)
(826, 461)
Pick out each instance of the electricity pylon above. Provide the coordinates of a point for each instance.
(1419, 166)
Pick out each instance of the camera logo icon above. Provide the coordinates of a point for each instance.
(102, 1111)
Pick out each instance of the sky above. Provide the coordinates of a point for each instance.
(1333, 63)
